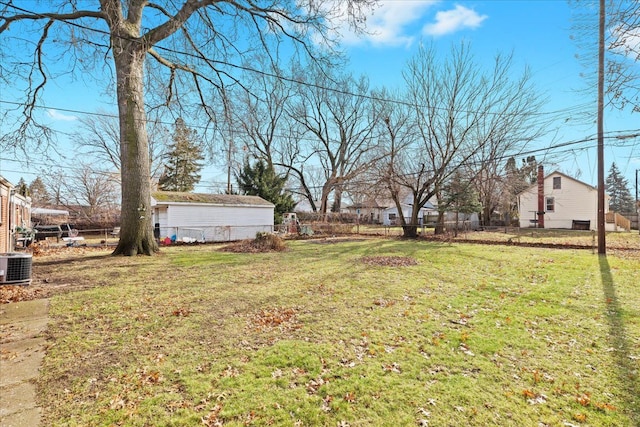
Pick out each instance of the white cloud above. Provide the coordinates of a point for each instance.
(55, 115)
(388, 23)
(626, 41)
(453, 20)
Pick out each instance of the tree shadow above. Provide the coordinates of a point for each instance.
(630, 385)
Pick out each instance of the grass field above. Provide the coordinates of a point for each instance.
(359, 332)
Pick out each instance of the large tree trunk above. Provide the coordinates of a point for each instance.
(136, 232)
(411, 230)
(486, 213)
(440, 223)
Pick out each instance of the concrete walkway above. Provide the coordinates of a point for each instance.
(22, 345)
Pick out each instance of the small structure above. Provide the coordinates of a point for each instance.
(560, 201)
(368, 212)
(42, 215)
(199, 217)
(15, 216)
(390, 214)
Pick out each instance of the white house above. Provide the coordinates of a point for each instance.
(190, 217)
(369, 211)
(390, 214)
(568, 203)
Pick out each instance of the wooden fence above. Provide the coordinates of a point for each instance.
(619, 221)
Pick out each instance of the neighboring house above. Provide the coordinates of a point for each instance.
(568, 203)
(390, 215)
(370, 211)
(15, 213)
(191, 217)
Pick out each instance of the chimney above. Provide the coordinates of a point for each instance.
(541, 197)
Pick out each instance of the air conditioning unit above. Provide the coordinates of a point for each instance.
(15, 269)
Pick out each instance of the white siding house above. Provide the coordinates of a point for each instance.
(390, 214)
(568, 203)
(200, 217)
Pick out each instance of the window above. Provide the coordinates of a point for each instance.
(557, 182)
(551, 204)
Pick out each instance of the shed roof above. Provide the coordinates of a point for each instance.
(163, 197)
(48, 211)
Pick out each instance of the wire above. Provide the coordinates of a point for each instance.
(552, 149)
(280, 77)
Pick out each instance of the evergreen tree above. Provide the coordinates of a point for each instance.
(262, 180)
(618, 188)
(184, 160)
(22, 188)
(460, 197)
(39, 194)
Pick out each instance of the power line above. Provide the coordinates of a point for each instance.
(276, 76)
(552, 149)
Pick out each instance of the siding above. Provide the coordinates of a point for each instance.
(4, 218)
(575, 200)
(214, 222)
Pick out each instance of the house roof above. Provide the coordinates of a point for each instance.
(367, 204)
(562, 174)
(169, 197)
(387, 204)
(428, 206)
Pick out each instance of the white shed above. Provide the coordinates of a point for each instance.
(568, 203)
(191, 217)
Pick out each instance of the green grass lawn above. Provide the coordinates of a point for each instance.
(321, 335)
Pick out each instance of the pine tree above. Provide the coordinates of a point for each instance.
(262, 180)
(618, 189)
(184, 160)
(39, 194)
(459, 196)
(22, 188)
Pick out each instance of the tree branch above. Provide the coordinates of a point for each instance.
(50, 16)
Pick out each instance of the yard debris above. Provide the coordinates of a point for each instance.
(393, 367)
(264, 242)
(389, 261)
(381, 302)
(272, 318)
(13, 293)
(212, 420)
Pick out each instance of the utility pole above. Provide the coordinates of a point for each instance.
(637, 203)
(602, 247)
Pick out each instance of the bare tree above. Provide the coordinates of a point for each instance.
(99, 139)
(512, 124)
(188, 41)
(259, 113)
(337, 129)
(621, 49)
(93, 194)
(456, 112)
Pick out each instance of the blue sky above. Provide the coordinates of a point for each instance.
(537, 32)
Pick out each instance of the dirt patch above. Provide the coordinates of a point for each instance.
(389, 261)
